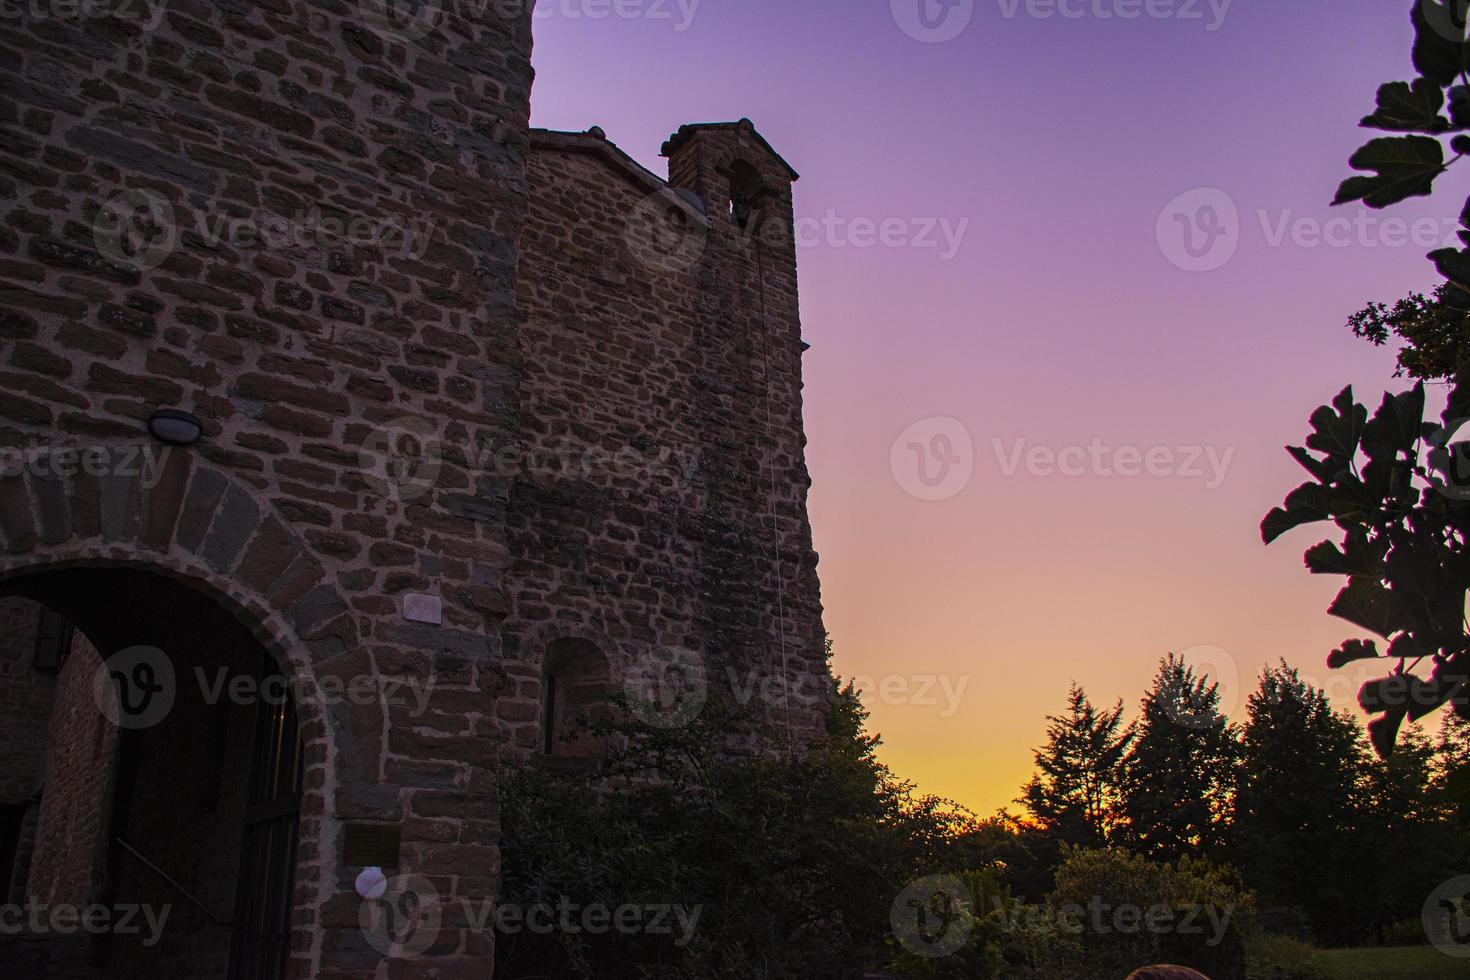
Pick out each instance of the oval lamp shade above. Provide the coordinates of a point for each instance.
(175, 427)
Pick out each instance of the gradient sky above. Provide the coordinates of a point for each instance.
(1060, 320)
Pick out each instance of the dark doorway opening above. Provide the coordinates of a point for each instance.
(162, 784)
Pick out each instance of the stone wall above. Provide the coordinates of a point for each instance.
(27, 710)
(296, 219)
(55, 759)
(660, 506)
(72, 823)
(28, 696)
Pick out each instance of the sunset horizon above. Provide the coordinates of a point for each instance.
(1042, 336)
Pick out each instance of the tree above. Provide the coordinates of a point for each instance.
(1296, 805)
(1435, 331)
(1402, 790)
(1453, 745)
(791, 861)
(1022, 854)
(1394, 485)
(1403, 817)
(1179, 774)
(1452, 773)
(1074, 794)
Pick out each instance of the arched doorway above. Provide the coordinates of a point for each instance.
(150, 821)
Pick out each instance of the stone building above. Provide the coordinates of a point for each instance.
(355, 437)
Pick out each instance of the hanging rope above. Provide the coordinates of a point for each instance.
(760, 259)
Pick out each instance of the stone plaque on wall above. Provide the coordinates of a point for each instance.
(371, 845)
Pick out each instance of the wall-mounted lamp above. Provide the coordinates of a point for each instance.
(371, 884)
(175, 427)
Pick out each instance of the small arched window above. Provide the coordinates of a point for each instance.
(747, 193)
(576, 698)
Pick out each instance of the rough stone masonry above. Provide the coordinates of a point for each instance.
(482, 405)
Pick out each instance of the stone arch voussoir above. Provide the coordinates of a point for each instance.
(188, 521)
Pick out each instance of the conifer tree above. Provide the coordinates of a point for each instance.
(1294, 833)
(1074, 795)
(1179, 775)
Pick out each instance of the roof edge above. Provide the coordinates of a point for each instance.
(690, 130)
(595, 143)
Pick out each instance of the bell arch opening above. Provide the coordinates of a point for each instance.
(154, 760)
(747, 193)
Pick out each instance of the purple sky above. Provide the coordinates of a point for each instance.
(1055, 144)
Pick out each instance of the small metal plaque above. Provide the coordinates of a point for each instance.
(371, 845)
(419, 608)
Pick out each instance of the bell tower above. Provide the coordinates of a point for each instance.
(744, 182)
(767, 613)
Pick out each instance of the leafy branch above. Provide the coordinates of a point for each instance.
(1393, 484)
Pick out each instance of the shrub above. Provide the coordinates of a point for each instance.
(1405, 932)
(1127, 912)
(1282, 958)
(791, 862)
(983, 920)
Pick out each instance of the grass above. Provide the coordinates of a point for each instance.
(1414, 963)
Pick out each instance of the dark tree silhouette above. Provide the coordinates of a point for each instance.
(1452, 778)
(1434, 329)
(1296, 808)
(1404, 817)
(1179, 774)
(1074, 794)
